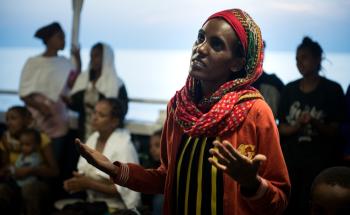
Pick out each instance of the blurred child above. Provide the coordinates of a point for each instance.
(34, 195)
(155, 201)
(18, 118)
(30, 141)
(330, 192)
(154, 147)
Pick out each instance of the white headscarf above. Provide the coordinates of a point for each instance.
(108, 83)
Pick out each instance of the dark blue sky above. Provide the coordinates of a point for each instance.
(159, 24)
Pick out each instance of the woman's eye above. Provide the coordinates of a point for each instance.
(217, 44)
(200, 37)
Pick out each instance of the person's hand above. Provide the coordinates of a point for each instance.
(22, 172)
(96, 159)
(75, 51)
(66, 99)
(304, 118)
(239, 167)
(78, 183)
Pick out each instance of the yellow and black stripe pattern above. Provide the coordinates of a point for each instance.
(198, 185)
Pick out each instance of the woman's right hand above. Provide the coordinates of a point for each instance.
(97, 159)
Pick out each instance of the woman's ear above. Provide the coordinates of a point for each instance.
(237, 64)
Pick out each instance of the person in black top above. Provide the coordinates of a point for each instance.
(310, 112)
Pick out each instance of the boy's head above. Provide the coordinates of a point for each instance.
(17, 119)
(30, 141)
(330, 192)
(154, 145)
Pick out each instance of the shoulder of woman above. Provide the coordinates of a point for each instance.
(122, 134)
(331, 84)
(261, 109)
(32, 62)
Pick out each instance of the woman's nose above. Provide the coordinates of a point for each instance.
(202, 48)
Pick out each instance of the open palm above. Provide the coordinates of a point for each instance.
(95, 158)
(239, 167)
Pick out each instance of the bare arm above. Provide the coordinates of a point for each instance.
(41, 107)
(330, 129)
(50, 168)
(287, 130)
(47, 170)
(81, 182)
(76, 54)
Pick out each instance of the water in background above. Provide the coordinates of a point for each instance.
(157, 74)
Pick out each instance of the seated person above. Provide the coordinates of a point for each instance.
(111, 139)
(330, 192)
(36, 194)
(30, 156)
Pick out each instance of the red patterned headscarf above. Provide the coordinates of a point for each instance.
(226, 109)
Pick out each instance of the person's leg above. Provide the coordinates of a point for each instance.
(36, 198)
(10, 198)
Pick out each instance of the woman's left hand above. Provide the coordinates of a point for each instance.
(239, 167)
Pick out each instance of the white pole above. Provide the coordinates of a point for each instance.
(77, 6)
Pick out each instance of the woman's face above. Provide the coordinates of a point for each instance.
(307, 63)
(15, 122)
(57, 40)
(96, 59)
(212, 56)
(102, 119)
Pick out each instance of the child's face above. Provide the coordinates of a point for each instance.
(15, 122)
(28, 144)
(154, 147)
(330, 200)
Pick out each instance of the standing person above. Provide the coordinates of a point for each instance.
(35, 195)
(309, 123)
(99, 81)
(44, 79)
(218, 117)
(270, 86)
(114, 142)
